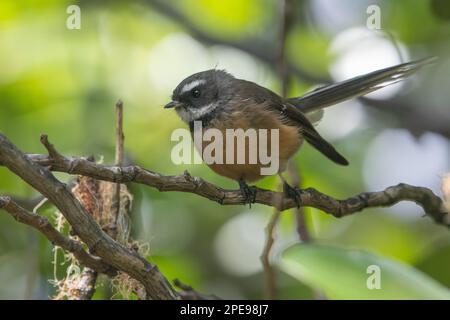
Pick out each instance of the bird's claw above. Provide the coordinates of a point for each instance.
(293, 193)
(249, 192)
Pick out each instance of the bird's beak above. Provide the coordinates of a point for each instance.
(171, 104)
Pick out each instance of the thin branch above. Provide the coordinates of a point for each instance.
(86, 285)
(119, 133)
(302, 230)
(431, 203)
(43, 225)
(119, 153)
(269, 273)
(112, 228)
(99, 243)
(188, 293)
(287, 11)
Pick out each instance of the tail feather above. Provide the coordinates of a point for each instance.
(324, 147)
(358, 86)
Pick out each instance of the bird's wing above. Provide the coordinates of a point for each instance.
(334, 93)
(260, 96)
(296, 117)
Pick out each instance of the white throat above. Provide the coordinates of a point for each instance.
(191, 114)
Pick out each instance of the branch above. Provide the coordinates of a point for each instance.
(99, 243)
(119, 162)
(431, 203)
(269, 273)
(301, 228)
(188, 293)
(42, 224)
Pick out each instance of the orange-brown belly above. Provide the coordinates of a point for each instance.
(289, 141)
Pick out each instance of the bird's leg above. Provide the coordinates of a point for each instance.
(291, 192)
(249, 192)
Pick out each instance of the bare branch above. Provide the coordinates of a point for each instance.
(188, 293)
(99, 243)
(302, 230)
(269, 273)
(431, 203)
(42, 224)
(119, 133)
(119, 162)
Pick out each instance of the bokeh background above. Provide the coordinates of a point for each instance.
(65, 83)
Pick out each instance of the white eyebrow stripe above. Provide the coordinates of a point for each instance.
(191, 85)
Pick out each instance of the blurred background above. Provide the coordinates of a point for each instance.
(65, 83)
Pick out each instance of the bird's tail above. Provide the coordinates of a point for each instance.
(334, 93)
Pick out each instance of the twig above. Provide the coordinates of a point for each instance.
(27, 203)
(302, 230)
(112, 252)
(119, 133)
(287, 11)
(42, 224)
(188, 293)
(119, 150)
(269, 273)
(119, 162)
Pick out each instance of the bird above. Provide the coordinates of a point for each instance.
(218, 100)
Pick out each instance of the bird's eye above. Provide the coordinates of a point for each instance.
(196, 93)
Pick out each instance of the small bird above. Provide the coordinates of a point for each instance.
(221, 101)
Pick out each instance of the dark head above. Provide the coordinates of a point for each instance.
(200, 94)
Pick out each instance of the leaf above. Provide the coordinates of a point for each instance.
(343, 274)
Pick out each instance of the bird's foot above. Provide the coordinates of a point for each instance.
(293, 193)
(249, 192)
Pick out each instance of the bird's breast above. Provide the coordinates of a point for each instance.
(242, 133)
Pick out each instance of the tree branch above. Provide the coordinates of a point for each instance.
(42, 224)
(270, 286)
(431, 203)
(188, 293)
(99, 243)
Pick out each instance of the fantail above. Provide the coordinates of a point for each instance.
(220, 101)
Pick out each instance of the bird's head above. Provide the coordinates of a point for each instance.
(200, 94)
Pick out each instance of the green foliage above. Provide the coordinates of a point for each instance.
(346, 274)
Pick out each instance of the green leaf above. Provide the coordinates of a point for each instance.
(343, 274)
